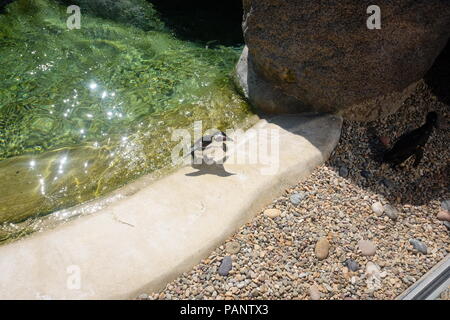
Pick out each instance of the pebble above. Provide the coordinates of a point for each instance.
(445, 205)
(232, 247)
(419, 245)
(322, 249)
(378, 209)
(314, 293)
(296, 198)
(367, 247)
(391, 212)
(447, 224)
(143, 296)
(385, 141)
(365, 174)
(343, 171)
(387, 183)
(373, 275)
(352, 265)
(272, 213)
(225, 266)
(443, 215)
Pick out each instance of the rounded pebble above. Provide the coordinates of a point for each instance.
(378, 209)
(391, 212)
(343, 171)
(443, 215)
(322, 249)
(367, 247)
(272, 213)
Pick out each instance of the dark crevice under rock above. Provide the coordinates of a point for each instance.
(213, 22)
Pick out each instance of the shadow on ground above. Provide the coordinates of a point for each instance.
(207, 22)
(360, 146)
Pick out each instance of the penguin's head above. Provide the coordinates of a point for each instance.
(432, 118)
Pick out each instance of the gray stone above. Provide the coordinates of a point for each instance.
(365, 174)
(225, 266)
(419, 246)
(387, 183)
(320, 56)
(351, 264)
(343, 171)
(391, 212)
(296, 198)
(447, 224)
(445, 205)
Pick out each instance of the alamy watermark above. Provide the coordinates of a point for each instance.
(74, 20)
(374, 20)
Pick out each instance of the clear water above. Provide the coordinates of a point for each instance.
(83, 112)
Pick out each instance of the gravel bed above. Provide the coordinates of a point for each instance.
(354, 229)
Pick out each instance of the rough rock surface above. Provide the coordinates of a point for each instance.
(320, 56)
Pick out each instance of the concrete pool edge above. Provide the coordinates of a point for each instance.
(140, 243)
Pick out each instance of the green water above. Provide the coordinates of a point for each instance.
(83, 112)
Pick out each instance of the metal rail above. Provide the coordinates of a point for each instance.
(430, 286)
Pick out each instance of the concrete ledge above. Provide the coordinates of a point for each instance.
(146, 239)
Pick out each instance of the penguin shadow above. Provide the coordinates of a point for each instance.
(376, 147)
(404, 183)
(215, 168)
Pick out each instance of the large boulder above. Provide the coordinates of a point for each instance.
(320, 56)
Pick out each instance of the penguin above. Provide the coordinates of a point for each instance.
(411, 143)
(205, 141)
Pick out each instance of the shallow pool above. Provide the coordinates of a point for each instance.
(84, 111)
